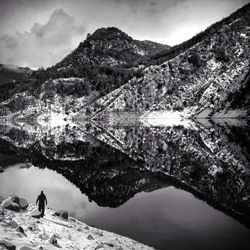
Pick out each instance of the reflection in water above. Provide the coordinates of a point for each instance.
(149, 174)
(166, 217)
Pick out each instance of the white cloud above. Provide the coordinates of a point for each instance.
(43, 45)
(166, 21)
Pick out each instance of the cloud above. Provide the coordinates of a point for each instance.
(148, 7)
(43, 45)
(43, 39)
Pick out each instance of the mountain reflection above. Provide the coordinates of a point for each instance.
(110, 161)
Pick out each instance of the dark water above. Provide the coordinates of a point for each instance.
(171, 187)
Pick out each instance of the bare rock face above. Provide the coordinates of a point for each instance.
(209, 76)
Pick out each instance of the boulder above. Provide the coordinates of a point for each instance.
(99, 247)
(1, 199)
(13, 224)
(53, 239)
(15, 203)
(14, 198)
(98, 233)
(7, 204)
(7, 245)
(120, 248)
(2, 218)
(35, 213)
(20, 230)
(62, 213)
(25, 248)
(1, 212)
(21, 202)
(90, 237)
(32, 227)
(109, 244)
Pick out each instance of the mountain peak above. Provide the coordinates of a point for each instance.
(110, 47)
(109, 33)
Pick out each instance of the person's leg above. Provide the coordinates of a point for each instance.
(43, 209)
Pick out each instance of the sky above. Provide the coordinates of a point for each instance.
(39, 33)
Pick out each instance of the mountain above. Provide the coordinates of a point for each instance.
(207, 76)
(110, 47)
(9, 72)
(107, 59)
(14, 79)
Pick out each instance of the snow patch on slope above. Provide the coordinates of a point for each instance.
(167, 119)
(67, 234)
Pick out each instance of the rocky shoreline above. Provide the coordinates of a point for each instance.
(22, 228)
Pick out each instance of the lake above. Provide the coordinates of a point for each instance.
(169, 186)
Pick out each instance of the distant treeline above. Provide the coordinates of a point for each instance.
(243, 14)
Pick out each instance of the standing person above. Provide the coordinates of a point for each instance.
(41, 200)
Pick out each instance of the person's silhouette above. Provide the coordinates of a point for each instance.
(41, 200)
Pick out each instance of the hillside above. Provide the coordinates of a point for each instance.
(14, 79)
(110, 47)
(205, 76)
(61, 98)
(107, 59)
(12, 73)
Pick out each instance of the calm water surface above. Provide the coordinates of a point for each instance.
(168, 218)
(171, 187)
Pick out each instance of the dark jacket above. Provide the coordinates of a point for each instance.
(41, 200)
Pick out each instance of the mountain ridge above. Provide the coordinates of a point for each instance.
(207, 79)
(207, 76)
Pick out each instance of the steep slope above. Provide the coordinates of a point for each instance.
(107, 59)
(206, 76)
(59, 97)
(104, 61)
